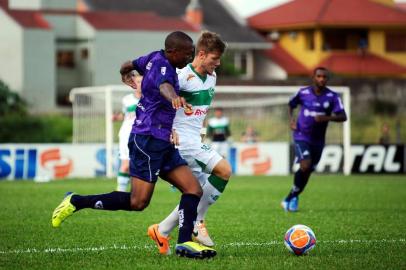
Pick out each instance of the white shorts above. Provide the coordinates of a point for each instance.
(123, 136)
(201, 159)
(221, 147)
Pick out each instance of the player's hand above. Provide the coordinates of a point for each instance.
(180, 102)
(174, 138)
(129, 79)
(293, 125)
(321, 118)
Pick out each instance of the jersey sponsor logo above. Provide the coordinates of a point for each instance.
(309, 113)
(139, 105)
(149, 66)
(197, 112)
(163, 70)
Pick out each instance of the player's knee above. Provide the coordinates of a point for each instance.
(139, 205)
(196, 190)
(305, 168)
(223, 170)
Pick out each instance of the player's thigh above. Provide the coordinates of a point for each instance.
(201, 157)
(303, 155)
(316, 151)
(147, 156)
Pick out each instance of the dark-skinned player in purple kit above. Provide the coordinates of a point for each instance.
(151, 152)
(318, 106)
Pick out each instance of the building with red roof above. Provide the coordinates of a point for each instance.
(53, 46)
(363, 38)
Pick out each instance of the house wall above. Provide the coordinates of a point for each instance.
(112, 48)
(39, 70)
(376, 45)
(295, 42)
(42, 4)
(11, 69)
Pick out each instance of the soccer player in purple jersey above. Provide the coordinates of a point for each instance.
(151, 152)
(318, 106)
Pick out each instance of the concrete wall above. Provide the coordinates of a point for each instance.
(39, 70)
(11, 69)
(112, 48)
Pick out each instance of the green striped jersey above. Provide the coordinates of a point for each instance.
(198, 91)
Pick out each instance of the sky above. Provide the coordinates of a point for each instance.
(247, 8)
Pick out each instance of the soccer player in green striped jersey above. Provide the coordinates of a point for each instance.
(197, 85)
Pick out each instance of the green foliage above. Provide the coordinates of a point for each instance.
(17, 128)
(358, 222)
(227, 67)
(10, 102)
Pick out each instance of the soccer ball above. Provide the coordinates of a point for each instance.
(300, 239)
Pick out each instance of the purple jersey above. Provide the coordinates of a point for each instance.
(308, 129)
(154, 113)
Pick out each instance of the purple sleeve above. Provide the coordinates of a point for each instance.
(140, 64)
(164, 73)
(294, 100)
(338, 106)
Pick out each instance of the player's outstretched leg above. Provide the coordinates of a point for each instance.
(194, 250)
(63, 210)
(160, 240)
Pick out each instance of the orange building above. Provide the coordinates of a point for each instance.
(362, 38)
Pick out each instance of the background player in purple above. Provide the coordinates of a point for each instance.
(318, 106)
(151, 152)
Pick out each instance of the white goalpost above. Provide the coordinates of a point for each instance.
(262, 107)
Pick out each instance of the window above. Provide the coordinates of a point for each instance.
(65, 58)
(309, 39)
(395, 42)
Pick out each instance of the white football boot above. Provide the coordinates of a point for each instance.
(201, 235)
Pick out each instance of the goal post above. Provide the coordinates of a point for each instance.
(264, 107)
(274, 96)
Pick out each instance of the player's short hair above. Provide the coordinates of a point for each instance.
(321, 68)
(210, 42)
(177, 40)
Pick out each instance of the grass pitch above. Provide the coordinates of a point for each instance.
(359, 222)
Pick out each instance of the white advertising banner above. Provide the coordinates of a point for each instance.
(51, 161)
(262, 158)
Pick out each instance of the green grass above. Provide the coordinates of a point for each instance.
(359, 222)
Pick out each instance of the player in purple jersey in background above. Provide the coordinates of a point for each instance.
(151, 152)
(318, 106)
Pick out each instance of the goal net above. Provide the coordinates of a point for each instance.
(263, 108)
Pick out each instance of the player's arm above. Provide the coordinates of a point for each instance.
(127, 75)
(168, 92)
(292, 119)
(339, 117)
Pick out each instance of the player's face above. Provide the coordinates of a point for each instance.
(138, 80)
(184, 55)
(320, 78)
(210, 61)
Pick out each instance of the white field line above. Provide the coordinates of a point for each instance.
(141, 247)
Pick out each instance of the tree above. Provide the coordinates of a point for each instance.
(10, 102)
